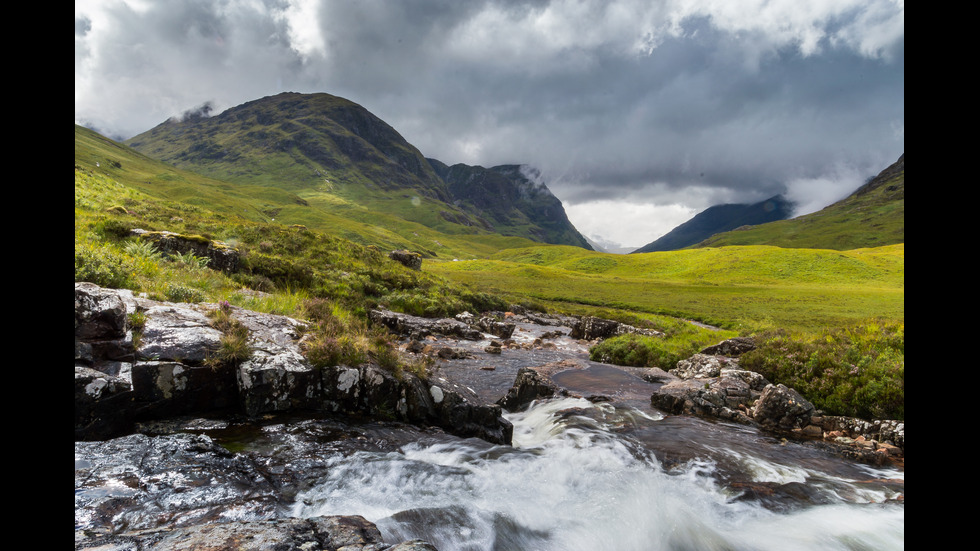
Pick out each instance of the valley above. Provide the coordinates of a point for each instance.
(311, 194)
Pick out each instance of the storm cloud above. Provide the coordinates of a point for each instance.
(662, 108)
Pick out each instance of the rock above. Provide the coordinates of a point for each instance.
(731, 348)
(178, 332)
(701, 366)
(172, 374)
(529, 385)
(419, 328)
(221, 256)
(720, 397)
(407, 258)
(99, 313)
(496, 328)
(183, 492)
(782, 407)
(590, 328)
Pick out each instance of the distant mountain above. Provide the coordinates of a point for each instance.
(720, 218)
(872, 216)
(339, 157)
(510, 201)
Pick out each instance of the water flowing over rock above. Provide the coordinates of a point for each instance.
(183, 491)
(529, 385)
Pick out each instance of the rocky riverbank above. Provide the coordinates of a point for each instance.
(144, 367)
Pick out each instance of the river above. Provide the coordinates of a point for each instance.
(618, 475)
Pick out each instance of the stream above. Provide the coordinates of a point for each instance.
(581, 474)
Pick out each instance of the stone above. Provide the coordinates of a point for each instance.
(782, 407)
(407, 259)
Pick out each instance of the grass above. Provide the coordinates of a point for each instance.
(745, 289)
(319, 266)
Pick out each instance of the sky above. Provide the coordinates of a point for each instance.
(638, 113)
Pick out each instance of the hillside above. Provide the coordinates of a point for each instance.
(339, 158)
(720, 218)
(872, 216)
(510, 202)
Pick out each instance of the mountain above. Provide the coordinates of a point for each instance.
(340, 158)
(720, 218)
(510, 199)
(872, 216)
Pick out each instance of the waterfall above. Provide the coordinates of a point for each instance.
(577, 478)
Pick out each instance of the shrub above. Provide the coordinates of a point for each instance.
(856, 371)
(102, 266)
(175, 292)
(234, 347)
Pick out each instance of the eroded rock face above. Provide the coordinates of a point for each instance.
(170, 374)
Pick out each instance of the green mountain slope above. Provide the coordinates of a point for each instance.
(261, 203)
(338, 158)
(720, 218)
(872, 216)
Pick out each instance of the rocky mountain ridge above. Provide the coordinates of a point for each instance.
(319, 145)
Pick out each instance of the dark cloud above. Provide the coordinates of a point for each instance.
(662, 104)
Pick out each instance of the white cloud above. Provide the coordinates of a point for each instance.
(626, 224)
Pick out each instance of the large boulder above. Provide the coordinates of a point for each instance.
(783, 408)
(710, 386)
(407, 259)
(221, 256)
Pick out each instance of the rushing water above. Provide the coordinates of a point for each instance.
(576, 479)
(581, 474)
(610, 475)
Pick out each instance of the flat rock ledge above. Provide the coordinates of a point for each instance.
(161, 369)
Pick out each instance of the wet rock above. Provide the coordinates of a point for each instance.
(529, 385)
(102, 404)
(141, 483)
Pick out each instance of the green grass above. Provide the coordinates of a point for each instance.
(741, 288)
(788, 297)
